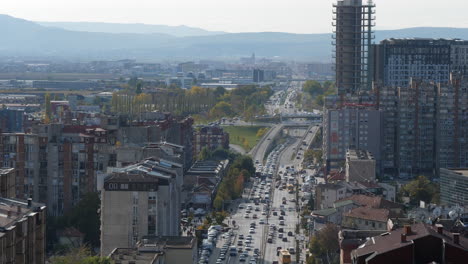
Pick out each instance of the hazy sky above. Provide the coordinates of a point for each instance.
(298, 16)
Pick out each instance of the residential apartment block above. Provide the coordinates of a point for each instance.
(22, 232)
(397, 61)
(353, 127)
(211, 137)
(454, 186)
(140, 200)
(7, 183)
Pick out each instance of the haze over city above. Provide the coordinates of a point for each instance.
(294, 16)
(232, 132)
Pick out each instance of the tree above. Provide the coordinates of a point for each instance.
(205, 154)
(312, 87)
(261, 132)
(325, 245)
(79, 256)
(421, 189)
(138, 88)
(85, 218)
(221, 109)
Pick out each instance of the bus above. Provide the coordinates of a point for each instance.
(284, 257)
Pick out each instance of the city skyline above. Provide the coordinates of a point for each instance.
(238, 16)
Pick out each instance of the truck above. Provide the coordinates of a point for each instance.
(284, 257)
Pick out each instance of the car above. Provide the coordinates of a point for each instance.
(281, 217)
(285, 239)
(241, 236)
(281, 222)
(254, 216)
(280, 235)
(270, 240)
(280, 230)
(242, 258)
(257, 209)
(222, 256)
(256, 250)
(219, 261)
(290, 233)
(240, 243)
(262, 221)
(283, 212)
(291, 250)
(246, 216)
(275, 213)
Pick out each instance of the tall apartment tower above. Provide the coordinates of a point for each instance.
(353, 22)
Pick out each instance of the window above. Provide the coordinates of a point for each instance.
(367, 222)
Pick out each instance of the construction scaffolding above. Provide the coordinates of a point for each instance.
(352, 39)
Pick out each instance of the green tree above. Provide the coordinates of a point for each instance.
(85, 218)
(79, 256)
(421, 189)
(221, 109)
(138, 89)
(205, 154)
(324, 245)
(312, 87)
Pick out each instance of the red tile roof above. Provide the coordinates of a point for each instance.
(371, 201)
(392, 240)
(367, 213)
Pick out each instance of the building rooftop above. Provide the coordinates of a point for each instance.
(368, 213)
(13, 210)
(392, 240)
(133, 255)
(6, 170)
(462, 172)
(371, 201)
(357, 154)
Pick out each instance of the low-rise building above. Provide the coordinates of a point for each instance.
(366, 218)
(418, 243)
(22, 232)
(327, 194)
(360, 166)
(211, 137)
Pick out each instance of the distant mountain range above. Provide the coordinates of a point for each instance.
(22, 38)
(117, 28)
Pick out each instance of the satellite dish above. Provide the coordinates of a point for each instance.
(453, 214)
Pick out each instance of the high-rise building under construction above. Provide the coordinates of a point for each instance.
(353, 22)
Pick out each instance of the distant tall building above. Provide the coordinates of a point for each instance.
(258, 75)
(396, 61)
(353, 34)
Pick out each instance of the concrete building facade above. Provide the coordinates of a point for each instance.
(353, 22)
(140, 200)
(454, 186)
(351, 128)
(7, 183)
(22, 232)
